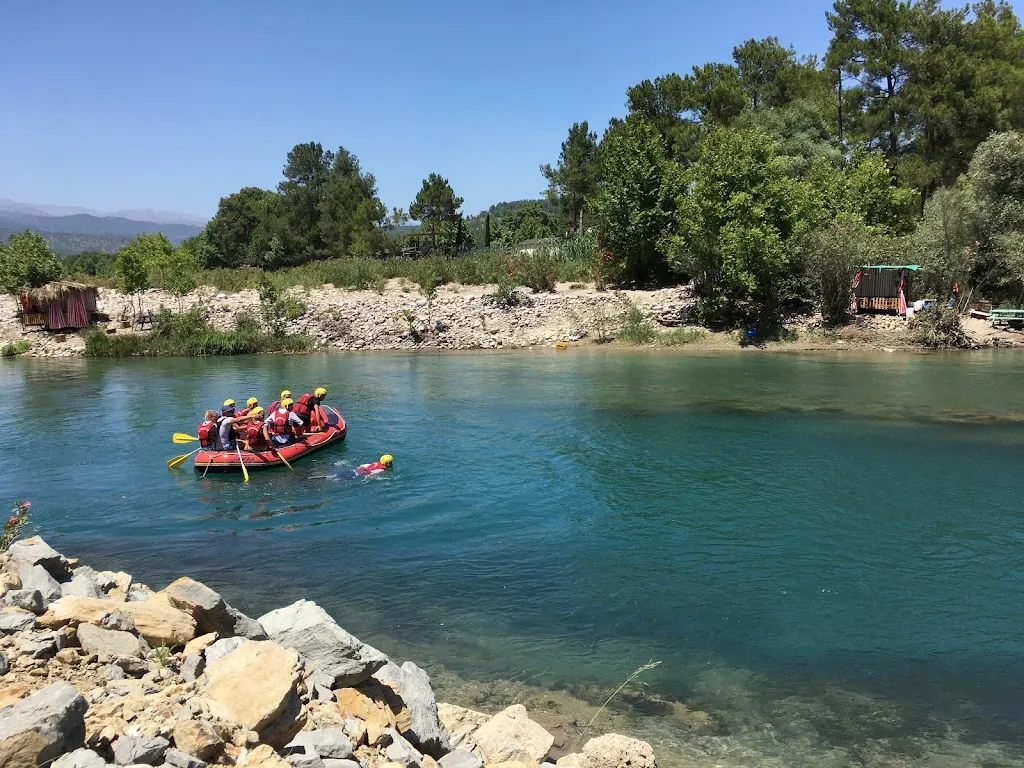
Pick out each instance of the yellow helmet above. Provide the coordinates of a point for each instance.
(257, 411)
(285, 393)
(229, 403)
(320, 392)
(387, 459)
(287, 403)
(251, 402)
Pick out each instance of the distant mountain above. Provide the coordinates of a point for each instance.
(135, 214)
(111, 229)
(71, 243)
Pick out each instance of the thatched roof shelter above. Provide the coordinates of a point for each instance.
(58, 291)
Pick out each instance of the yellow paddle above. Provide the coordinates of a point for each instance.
(181, 437)
(177, 461)
(282, 458)
(245, 472)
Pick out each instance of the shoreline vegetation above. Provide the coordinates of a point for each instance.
(98, 669)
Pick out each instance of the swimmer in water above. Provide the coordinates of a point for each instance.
(364, 470)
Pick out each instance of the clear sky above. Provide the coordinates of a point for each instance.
(172, 105)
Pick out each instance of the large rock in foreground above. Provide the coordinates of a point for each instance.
(110, 642)
(158, 624)
(307, 628)
(35, 551)
(210, 611)
(38, 729)
(512, 735)
(612, 751)
(412, 685)
(255, 686)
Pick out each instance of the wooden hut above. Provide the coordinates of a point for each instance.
(884, 288)
(58, 306)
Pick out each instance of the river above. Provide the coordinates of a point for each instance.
(824, 551)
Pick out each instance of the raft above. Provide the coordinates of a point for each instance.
(227, 461)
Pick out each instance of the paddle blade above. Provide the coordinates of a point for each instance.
(285, 462)
(245, 472)
(181, 437)
(177, 461)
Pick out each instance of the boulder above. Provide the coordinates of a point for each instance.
(262, 756)
(80, 758)
(412, 685)
(34, 551)
(402, 752)
(304, 760)
(355, 703)
(192, 667)
(158, 624)
(198, 739)
(210, 611)
(197, 645)
(26, 599)
(35, 577)
(331, 763)
(326, 742)
(307, 628)
(178, 759)
(454, 718)
(5, 666)
(37, 729)
(460, 758)
(222, 648)
(80, 586)
(254, 685)
(116, 584)
(135, 750)
(110, 642)
(512, 735)
(118, 620)
(615, 751)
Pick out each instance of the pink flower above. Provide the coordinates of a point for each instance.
(13, 521)
(25, 504)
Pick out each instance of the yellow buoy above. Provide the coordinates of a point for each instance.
(561, 345)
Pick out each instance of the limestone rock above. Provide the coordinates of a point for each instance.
(262, 756)
(454, 718)
(39, 728)
(198, 739)
(34, 551)
(197, 645)
(326, 742)
(573, 760)
(118, 620)
(615, 751)
(5, 666)
(80, 758)
(402, 752)
(210, 611)
(110, 642)
(158, 624)
(304, 760)
(512, 735)
(332, 763)
(178, 759)
(222, 648)
(192, 667)
(80, 586)
(514, 764)
(26, 599)
(308, 629)
(135, 750)
(412, 685)
(460, 758)
(253, 685)
(357, 704)
(35, 577)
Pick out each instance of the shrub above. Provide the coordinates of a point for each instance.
(538, 270)
(14, 524)
(14, 349)
(507, 296)
(246, 322)
(833, 255)
(680, 336)
(636, 328)
(939, 328)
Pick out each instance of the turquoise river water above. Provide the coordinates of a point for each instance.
(823, 551)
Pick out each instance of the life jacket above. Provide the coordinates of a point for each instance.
(243, 412)
(207, 434)
(217, 444)
(274, 406)
(254, 434)
(279, 423)
(375, 467)
(304, 406)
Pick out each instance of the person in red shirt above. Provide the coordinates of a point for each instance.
(308, 409)
(376, 467)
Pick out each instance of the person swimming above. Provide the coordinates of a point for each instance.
(363, 470)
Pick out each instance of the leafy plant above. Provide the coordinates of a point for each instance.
(27, 262)
(507, 296)
(939, 328)
(17, 521)
(635, 327)
(15, 348)
(162, 656)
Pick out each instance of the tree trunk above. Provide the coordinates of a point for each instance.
(891, 90)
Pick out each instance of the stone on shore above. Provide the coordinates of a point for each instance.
(15, 620)
(307, 628)
(222, 648)
(192, 667)
(80, 758)
(26, 599)
(460, 758)
(197, 739)
(199, 644)
(34, 551)
(512, 735)
(158, 624)
(412, 685)
(81, 585)
(136, 750)
(178, 759)
(110, 642)
(355, 703)
(5, 666)
(262, 756)
(402, 752)
(255, 686)
(35, 577)
(210, 611)
(326, 742)
(37, 729)
(612, 751)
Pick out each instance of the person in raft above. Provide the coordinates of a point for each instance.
(285, 395)
(218, 434)
(250, 404)
(254, 431)
(308, 409)
(281, 426)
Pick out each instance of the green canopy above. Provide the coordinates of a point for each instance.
(911, 267)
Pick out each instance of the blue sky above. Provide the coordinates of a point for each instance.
(172, 105)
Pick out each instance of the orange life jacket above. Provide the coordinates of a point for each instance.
(279, 423)
(274, 406)
(207, 433)
(243, 412)
(304, 406)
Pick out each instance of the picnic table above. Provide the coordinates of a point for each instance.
(1007, 317)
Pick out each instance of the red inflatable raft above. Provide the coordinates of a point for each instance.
(227, 461)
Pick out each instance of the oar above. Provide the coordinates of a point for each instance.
(282, 458)
(177, 461)
(245, 472)
(181, 437)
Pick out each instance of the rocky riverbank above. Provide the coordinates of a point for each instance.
(401, 316)
(96, 669)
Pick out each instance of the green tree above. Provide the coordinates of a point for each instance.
(629, 209)
(27, 262)
(772, 76)
(944, 243)
(736, 228)
(487, 231)
(833, 253)
(435, 204)
(352, 219)
(182, 269)
(573, 181)
(529, 222)
(231, 231)
(306, 173)
(132, 273)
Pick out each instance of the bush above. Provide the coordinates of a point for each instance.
(14, 349)
(506, 296)
(939, 328)
(679, 336)
(636, 328)
(538, 270)
(27, 262)
(832, 257)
